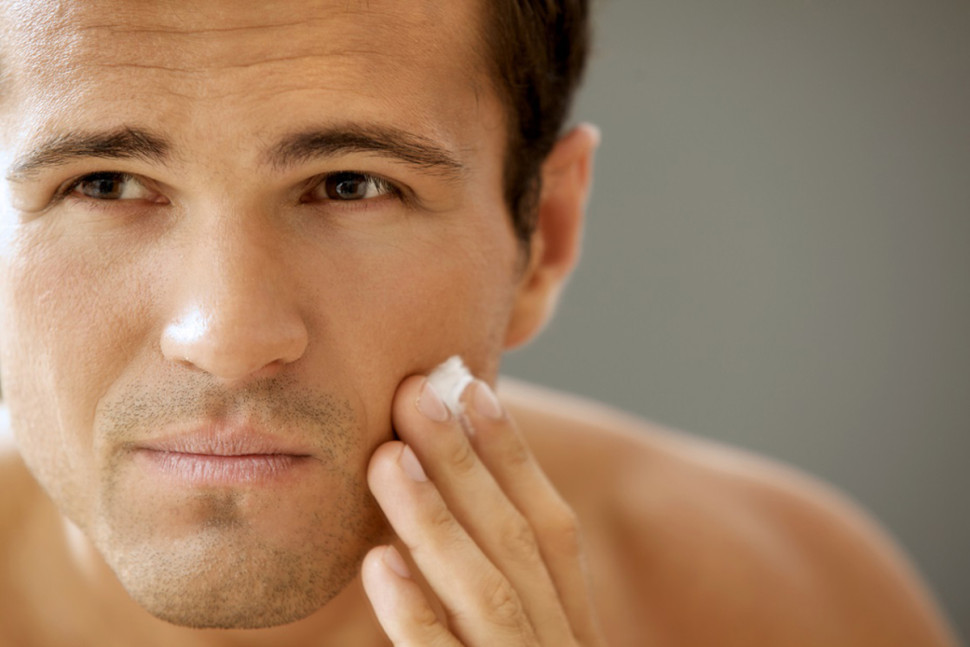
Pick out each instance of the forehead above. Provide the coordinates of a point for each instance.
(204, 66)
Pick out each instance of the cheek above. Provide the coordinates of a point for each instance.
(80, 311)
(450, 307)
(66, 332)
(396, 309)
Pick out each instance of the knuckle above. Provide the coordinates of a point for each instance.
(516, 454)
(517, 539)
(442, 532)
(502, 604)
(425, 620)
(564, 532)
(462, 458)
(441, 522)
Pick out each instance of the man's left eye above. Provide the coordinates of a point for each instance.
(348, 186)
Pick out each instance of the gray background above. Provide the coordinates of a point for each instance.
(778, 249)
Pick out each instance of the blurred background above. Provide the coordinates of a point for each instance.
(778, 247)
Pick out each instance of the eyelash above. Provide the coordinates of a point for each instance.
(387, 187)
(67, 189)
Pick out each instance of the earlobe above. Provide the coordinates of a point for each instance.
(567, 176)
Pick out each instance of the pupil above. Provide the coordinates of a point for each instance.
(347, 186)
(104, 186)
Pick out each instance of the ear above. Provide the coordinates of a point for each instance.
(567, 175)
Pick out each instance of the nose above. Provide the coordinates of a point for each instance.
(236, 313)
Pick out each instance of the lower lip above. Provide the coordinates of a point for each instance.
(209, 469)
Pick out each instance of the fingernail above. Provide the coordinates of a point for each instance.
(411, 465)
(430, 403)
(395, 562)
(486, 404)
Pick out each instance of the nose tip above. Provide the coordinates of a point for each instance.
(234, 303)
(233, 342)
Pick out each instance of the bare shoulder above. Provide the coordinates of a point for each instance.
(691, 542)
(20, 490)
(20, 504)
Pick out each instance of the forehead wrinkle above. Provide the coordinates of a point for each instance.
(69, 28)
(191, 30)
(198, 69)
(329, 56)
(47, 42)
(244, 83)
(184, 27)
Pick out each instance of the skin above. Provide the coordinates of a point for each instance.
(227, 289)
(225, 284)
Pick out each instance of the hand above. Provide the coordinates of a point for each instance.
(497, 546)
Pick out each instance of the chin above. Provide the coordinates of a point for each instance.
(252, 613)
(210, 583)
(227, 576)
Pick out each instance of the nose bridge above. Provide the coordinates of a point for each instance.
(235, 260)
(235, 313)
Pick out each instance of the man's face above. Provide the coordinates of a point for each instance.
(185, 270)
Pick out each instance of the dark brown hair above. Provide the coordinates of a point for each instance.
(538, 49)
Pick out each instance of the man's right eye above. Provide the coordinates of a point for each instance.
(108, 185)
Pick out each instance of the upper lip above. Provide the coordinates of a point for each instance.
(225, 440)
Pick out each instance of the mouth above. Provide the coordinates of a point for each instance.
(221, 456)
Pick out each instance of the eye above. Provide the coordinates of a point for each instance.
(348, 186)
(109, 185)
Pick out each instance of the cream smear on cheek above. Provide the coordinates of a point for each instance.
(449, 381)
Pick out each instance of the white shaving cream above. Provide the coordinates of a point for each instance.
(449, 381)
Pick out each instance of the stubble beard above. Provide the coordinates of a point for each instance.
(227, 576)
(226, 572)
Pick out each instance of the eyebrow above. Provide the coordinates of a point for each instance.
(124, 143)
(406, 147)
(131, 143)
